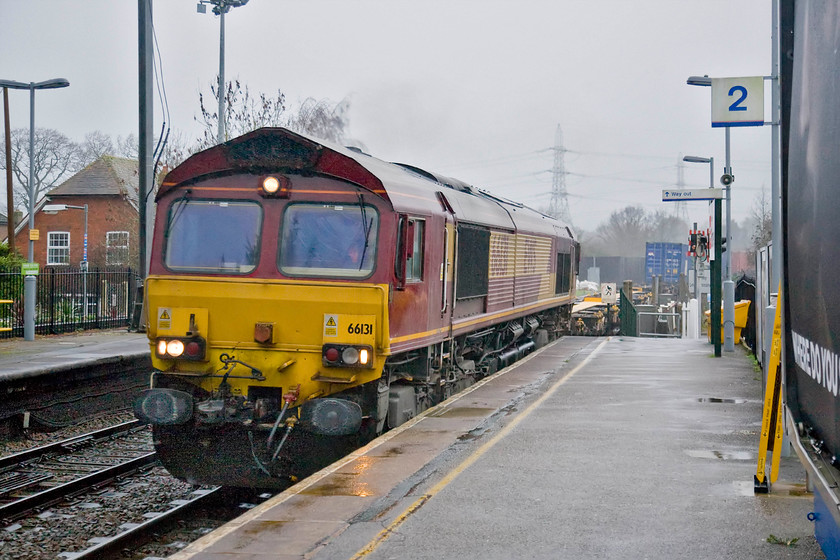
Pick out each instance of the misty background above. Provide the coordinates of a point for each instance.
(471, 89)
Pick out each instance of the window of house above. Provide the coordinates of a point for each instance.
(58, 248)
(116, 249)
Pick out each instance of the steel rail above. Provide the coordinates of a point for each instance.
(108, 546)
(29, 503)
(66, 445)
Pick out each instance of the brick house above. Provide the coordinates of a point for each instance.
(109, 188)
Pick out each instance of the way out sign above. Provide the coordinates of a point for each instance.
(738, 101)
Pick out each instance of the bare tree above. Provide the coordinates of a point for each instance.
(321, 118)
(667, 228)
(95, 145)
(128, 147)
(174, 151)
(56, 157)
(626, 231)
(245, 112)
(763, 221)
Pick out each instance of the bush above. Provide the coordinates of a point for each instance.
(9, 259)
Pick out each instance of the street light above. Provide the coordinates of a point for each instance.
(30, 281)
(220, 8)
(59, 208)
(728, 284)
(699, 81)
(711, 162)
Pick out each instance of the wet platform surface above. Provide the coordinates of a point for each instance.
(590, 448)
(50, 354)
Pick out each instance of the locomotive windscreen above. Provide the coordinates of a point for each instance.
(812, 225)
(213, 236)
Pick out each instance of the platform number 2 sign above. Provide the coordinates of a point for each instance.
(738, 101)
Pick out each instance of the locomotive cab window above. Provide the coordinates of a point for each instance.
(213, 236)
(414, 263)
(328, 240)
(408, 265)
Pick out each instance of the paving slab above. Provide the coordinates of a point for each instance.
(20, 359)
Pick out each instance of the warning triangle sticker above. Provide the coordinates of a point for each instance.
(165, 315)
(331, 322)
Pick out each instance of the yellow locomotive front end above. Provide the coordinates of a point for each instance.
(261, 380)
(256, 333)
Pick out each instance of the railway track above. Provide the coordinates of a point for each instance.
(36, 478)
(114, 471)
(133, 533)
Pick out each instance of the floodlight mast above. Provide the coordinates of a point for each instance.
(220, 8)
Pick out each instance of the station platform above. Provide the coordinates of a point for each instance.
(589, 448)
(21, 359)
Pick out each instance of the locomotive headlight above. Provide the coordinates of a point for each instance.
(363, 356)
(183, 348)
(350, 356)
(275, 186)
(175, 348)
(271, 185)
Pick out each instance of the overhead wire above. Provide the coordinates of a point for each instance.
(157, 65)
(495, 161)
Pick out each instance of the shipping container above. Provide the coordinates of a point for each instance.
(665, 260)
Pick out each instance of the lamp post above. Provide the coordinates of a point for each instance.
(220, 8)
(728, 284)
(29, 285)
(59, 208)
(711, 162)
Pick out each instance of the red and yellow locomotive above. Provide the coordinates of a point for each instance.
(304, 297)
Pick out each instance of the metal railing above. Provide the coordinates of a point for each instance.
(628, 317)
(69, 299)
(662, 326)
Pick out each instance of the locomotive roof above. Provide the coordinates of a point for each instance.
(406, 188)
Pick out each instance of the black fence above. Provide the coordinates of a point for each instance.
(68, 300)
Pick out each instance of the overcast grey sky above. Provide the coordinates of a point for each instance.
(470, 88)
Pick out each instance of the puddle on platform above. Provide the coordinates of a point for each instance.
(794, 489)
(463, 412)
(719, 400)
(393, 452)
(722, 455)
(339, 488)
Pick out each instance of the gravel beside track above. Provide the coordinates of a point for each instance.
(35, 439)
(70, 525)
